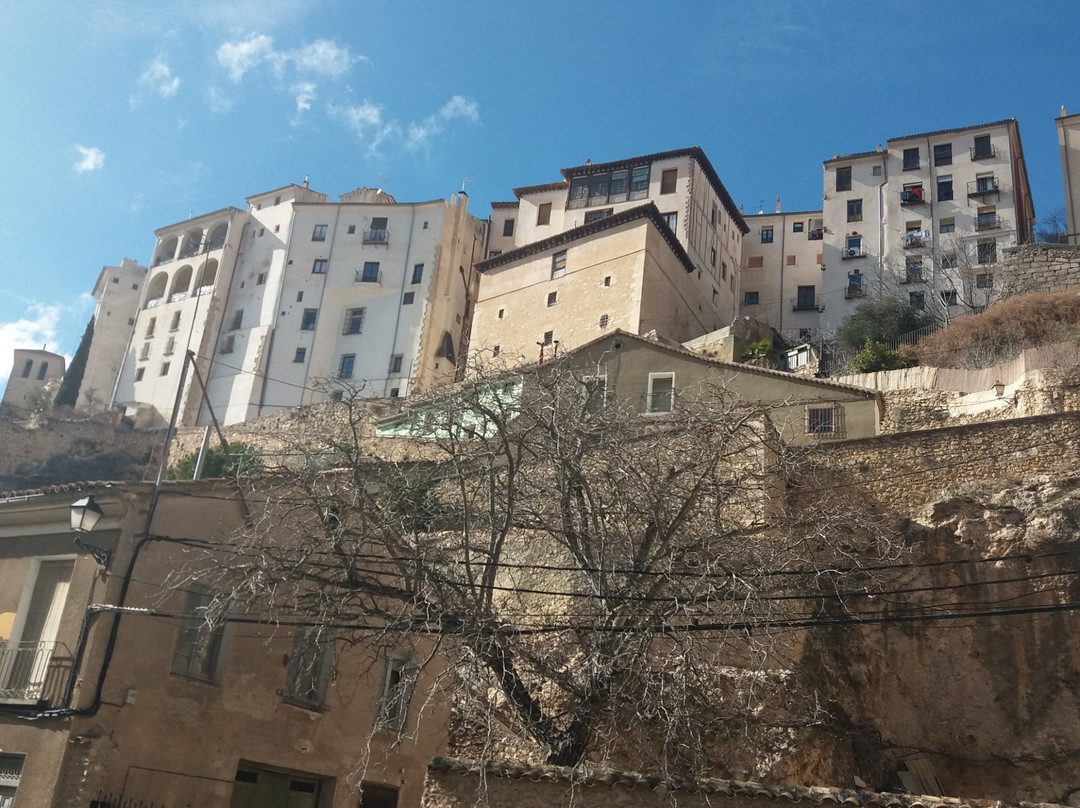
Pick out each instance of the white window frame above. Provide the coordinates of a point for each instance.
(392, 710)
(833, 425)
(653, 378)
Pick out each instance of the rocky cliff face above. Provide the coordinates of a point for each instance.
(983, 704)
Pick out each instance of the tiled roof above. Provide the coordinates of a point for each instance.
(854, 156)
(785, 213)
(513, 204)
(695, 152)
(595, 776)
(534, 189)
(1003, 122)
(646, 211)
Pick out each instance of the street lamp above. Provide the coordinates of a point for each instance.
(85, 515)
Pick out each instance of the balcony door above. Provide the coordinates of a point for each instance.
(24, 662)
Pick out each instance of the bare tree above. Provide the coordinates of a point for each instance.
(1053, 227)
(589, 583)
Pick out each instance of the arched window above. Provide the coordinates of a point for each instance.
(216, 239)
(156, 290)
(192, 242)
(208, 274)
(27, 368)
(43, 370)
(166, 251)
(181, 281)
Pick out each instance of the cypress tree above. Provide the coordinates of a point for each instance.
(68, 393)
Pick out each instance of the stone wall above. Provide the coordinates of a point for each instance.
(905, 470)
(1042, 268)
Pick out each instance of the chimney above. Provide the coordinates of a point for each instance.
(777, 204)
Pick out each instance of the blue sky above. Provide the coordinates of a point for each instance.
(122, 116)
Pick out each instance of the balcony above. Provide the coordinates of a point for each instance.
(852, 252)
(157, 301)
(377, 236)
(31, 672)
(817, 234)
(177, 297)
(366, 276)
(915, 240)
(853, 291)
(987, 223)
(912, 196)
(912, 276)
(985, 152)
(803, 304)
(984, 186)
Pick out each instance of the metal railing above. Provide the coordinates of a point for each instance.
(983, 152)
(368, 277)
(379, 235)
(803, 304)
(33, 671)
(986, 185)
(912, 196)
(997, 223)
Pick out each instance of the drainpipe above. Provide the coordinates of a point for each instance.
(881, 216)
(783, 261)
(400, 307)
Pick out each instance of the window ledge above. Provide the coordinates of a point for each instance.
(302, 703)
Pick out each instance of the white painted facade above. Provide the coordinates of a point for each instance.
(1068, 128)
(118, 292)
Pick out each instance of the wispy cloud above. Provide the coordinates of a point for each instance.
(322, 57)
(159, 78)
(367, 122)
(91, 159)
(217, 101)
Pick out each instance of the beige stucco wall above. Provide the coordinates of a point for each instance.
(1068, 128)
(20, 389)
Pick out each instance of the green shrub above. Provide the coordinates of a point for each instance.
(245, 462)
(880, 319)
(876, 356)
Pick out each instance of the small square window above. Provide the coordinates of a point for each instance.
(796, 227)
(228, 345)
(948, 297)
(300, 355)
(407, 298)
(668, 180)
(354, 321)
(261, 279)
(496, 350)
(352, 230)
(549, 337)
(750, 298)
(277, 228)
(671, 220)
(508, 227)
(319, 233)
(766, 235)
(558, 265)
(552, 298)
(755, 262)
(791, 260)
(947, 225)
(395, 392)
(854, 210)
(543, 214)
(607, 280)
(911, 159)
(987, 251)
(604, 320)
(370, 273)
(984, 280)
(395, 363)
(917, 300)
(820, 420)
(139, 374)
(237, 320)
(307, 320)
(661, 394)
(320, 266)
(943, 154)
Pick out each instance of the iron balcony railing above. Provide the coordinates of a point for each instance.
(985, 185)
(912, 196)
(803, 304)
(997, 223)
(379, 235)
(853, 291)
(33, 671)
(368, 277)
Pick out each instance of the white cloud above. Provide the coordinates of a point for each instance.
(159, 78)
(305, 94)
(420, 134)
(93, 158)
(241, 56)
(324, 58)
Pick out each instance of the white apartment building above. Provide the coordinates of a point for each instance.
(118, 292)
(1068, 128)
(782, 279)
(371, 297)
(927, 217)
(695, 210)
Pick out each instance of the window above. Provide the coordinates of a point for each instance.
(820, 420)
(607, 280)
(805, 297)
(502, 313)
(396, 691)
(345, 366)
(668, 180)
(947, 225)
(984, 280)
(558, 265)
(307, 319)
(712, 257)
(790, 261)
(508, 227)
(150, 327)
(911, 158)
(549, 337)
(198, 648)
(144, 354)
(496, 350)
(982, 148)
(395, 363)
(986, 218)
(944, 188)
(164, 369)
(375, 795)
(750, 298)
(948, 297)
(300, 355)
(639, 182)
(604, 320)
(987, 251)
(854, 210)
(552, 298)
(597, 215)
(796, 227)
(494, 253)
(853, 247)
(985, 183)
(912, 194)
(417, 273)
(319, 233)
(917, 300)
(755, 262)
(320, 266)
(671, 220)
(29, 366)
(260, 279)
(943, 154)
(310, 664)
(543, 214)
(175, 324)
(949, 260)
(139, 372)
(766, 235)
(370, 272)
(170, 346)
(237, 320)
(913, 269)
(661, 397)
(713, 215)
(354, 321)
(352, 230)
(843, 178)
(299, 297)
(407, 298)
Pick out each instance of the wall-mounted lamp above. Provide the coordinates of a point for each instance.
(85, 514)
(999, 389)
